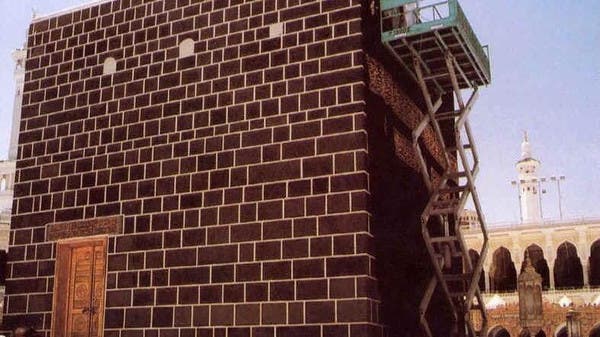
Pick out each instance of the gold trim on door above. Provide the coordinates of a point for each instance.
(79, 288)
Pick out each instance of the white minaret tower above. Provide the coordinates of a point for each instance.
(529, 192)
(19, 57)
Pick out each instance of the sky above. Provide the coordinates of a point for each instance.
(545, 58)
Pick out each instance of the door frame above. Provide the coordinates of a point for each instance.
(59, 285)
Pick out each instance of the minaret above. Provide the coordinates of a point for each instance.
(529, 184)
(19, 57)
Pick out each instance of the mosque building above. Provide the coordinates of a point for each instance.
(566, 254)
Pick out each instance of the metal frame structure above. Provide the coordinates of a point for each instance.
(442, 54)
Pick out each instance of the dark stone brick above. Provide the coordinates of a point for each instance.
(335, 331)
(343, 223)
(268, 250)
(162, 317)
(353, 311)
(142, 297)
(299, 331)
(317, 166)
(342, 288)
(221, 315)
(320, 246)
(40, 302)
(114, 318)
(137, 317)
(233, 293)
(308, 268)
(315, 205)
(247, 314)
(320, 312)
(182, 318)
(349, 182)
(188, 295)
(246, 232)
(211, 294)
(270, 210)
(222, 274)
(277, 270)
(343, 245)
(200, 315)
(256, 292)
(180, 257)
(274, 172)
(166, 296)
(295, 248)
(189, 276)
(26, 269)
(119, 298)
(351, 265)
(338, 203)
(160, 278)
(194, 237)
(248, 272)
(139, 242)
(192, 200)
(303, 148)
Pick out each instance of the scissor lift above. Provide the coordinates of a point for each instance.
(436, 46)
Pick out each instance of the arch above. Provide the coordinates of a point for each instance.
(186, 48)
(539, 262)
(110, 66)
(595, 263)
(526, 333)
(503, 274)
(498, 331)
(3, 184)
(474, 255)
(595, 330)
(561, 331)
(568, 271)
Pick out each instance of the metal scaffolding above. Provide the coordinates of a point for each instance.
(438, 49)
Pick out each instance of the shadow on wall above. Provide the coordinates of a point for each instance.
(398, 197)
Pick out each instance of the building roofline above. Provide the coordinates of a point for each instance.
(88, 4)
(544, 224)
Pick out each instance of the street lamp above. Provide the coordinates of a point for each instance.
(558, 179)
(539, 193)
(516, 184)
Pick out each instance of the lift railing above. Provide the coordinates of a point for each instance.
(405, 18)
(435, 44)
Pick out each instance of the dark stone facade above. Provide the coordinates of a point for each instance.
(261, 190)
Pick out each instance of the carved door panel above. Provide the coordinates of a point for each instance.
(79, 288)
(80, 280)
(97, 303)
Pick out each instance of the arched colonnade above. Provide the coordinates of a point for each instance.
(563, 267)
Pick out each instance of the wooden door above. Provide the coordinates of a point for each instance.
(79, 288)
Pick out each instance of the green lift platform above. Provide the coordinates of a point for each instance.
(437, 48)
(409, 27)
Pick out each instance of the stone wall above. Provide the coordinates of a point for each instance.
(555, 318)
(242, 172)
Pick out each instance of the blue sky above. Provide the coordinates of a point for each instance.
(545, 59)
(546, 78)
